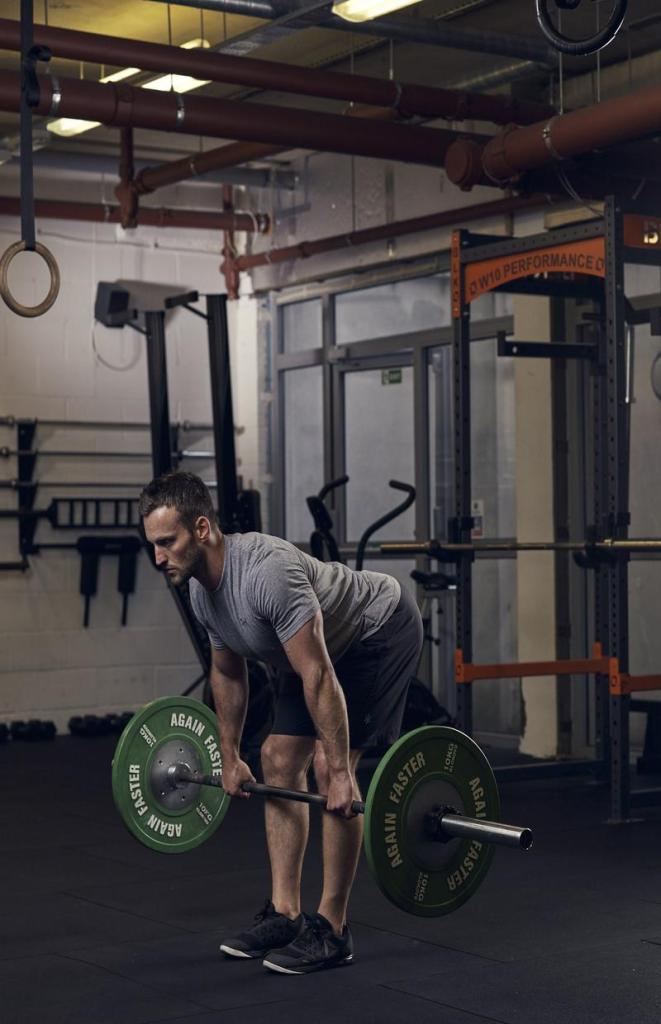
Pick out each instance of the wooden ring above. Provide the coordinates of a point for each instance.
(53, 291)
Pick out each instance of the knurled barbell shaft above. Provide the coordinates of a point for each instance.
(450, 825)
(180, 773)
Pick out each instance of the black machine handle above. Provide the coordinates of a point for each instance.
(322, 542)
(387, 518)
(331, 486)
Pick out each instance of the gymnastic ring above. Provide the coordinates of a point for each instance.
(53, 291)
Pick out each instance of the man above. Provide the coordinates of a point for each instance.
(347, 642)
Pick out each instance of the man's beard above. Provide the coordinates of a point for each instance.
(189, 570)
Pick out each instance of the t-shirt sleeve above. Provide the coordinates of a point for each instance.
(197, 604)
(284, 596)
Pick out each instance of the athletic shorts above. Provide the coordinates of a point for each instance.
(374, 674)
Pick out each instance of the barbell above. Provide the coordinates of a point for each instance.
(431, 811)
(451, 551)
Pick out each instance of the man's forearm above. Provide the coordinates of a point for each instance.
(328, 710)
(230, 696)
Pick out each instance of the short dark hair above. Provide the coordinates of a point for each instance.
(183, 491)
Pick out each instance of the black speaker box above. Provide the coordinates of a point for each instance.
(111, 307)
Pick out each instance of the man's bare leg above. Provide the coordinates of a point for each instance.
(285, 763)
(342, 841)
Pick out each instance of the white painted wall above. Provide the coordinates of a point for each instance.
(50, 667)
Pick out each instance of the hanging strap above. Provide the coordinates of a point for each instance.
(30, 54)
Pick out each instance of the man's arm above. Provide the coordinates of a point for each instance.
(229, 684)
(308, 656)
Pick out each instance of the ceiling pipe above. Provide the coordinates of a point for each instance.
(276, 176)
(505, 157)
(429, 31)
(122, 105)
(409, 100)
(414, 225)
(151, 178)
(213, 220)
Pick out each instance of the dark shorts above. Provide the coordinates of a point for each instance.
(374, 674)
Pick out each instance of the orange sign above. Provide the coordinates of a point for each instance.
(642, 232)
(584, 257)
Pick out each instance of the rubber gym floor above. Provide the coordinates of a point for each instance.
(97, 929)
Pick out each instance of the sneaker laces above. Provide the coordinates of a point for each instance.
(268, 910)
(312, 934)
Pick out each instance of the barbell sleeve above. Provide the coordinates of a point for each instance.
(440, 825)
(495, 832)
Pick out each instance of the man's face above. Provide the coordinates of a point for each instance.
(177, 551)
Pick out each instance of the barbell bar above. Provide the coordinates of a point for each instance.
(440, 549)
(440, 824)
(23, 453)
(431, 814)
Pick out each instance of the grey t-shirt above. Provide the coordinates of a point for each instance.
(269, 589)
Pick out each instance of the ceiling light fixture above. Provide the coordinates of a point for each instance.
(180, 83)
(69, 126)
(366, 10)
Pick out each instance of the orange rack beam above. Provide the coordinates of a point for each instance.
(621, 684)
(632, 684)
(598, 664)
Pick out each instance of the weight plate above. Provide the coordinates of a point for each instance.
(427, 768)
(168, 731)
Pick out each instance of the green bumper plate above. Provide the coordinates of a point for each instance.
(163, 817)
(431, 767)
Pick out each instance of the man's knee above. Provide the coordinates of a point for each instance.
(286, 759)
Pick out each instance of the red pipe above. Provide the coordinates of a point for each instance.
(447, 218)
(205, 219)
(121, 105)
(151, 178)
(408, 99)
(515, 150)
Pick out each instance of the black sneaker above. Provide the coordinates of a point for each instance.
(270, 931)
(315, 947)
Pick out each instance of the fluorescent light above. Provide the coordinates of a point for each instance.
(180, 83)
(68, 126)
(119, 76)
(175, 83)
(365, 10)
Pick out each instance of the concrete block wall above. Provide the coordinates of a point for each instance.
(339, 194)
(50, 666)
